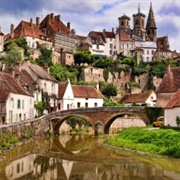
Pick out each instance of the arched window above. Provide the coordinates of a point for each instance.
(18, 104)
(122, 23)
(137, 22)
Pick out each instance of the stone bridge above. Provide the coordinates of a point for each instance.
(101, 118)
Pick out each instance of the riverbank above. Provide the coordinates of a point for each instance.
(160, 141)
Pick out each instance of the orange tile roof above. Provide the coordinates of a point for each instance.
(86, 92)
(25, 28)
(174, 101)
(97, 37)
(55, 24)
(136, 98)
(125, 37)
(62, 88)
(9, 84)
(171, 81)
(108, 34)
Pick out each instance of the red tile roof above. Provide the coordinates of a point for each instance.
(108, 34)
(25, 29)
(125, 37)
(171, 81)
(174, 101)
(9, 84)
(55, 24)
(62, 88)
(136, 98)
(86, 92)
(96, 37)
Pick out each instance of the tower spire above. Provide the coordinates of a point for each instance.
(139, 9)
(151, 25)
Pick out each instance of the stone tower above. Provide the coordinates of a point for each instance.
(151, 30)
(124, 25)
(138, 24)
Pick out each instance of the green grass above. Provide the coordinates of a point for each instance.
(161, 141)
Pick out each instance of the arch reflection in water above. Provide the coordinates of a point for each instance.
(82, 158)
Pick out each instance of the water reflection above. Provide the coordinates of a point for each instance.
(80, 158)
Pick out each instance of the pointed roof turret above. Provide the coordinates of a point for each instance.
(151, 20)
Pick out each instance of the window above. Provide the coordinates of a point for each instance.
(10, 116)
(95, 104)
(152, 52)
(52, 87)
(18, 168)
(44, 86)
(20, 117)
(23, 104)
(110, 46)
(86, 105)
(18, 104)
(16, 117)
(78, 104)
(147, 52)
(12, 102)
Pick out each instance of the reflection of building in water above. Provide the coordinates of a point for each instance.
(20, 167)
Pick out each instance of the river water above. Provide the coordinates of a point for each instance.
(82, 157)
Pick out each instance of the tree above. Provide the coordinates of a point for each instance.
(81, 57)
(45, 57)
(62, 72)
(109, 90)
(15, 53)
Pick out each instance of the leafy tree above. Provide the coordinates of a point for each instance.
(130, 61)
(15, 53)
(62, 72)
(81, 57)
(45, 57)
(21, 42)
(103, 62)
(109, 90)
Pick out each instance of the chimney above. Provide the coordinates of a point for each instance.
(46, 68)
(112, 29)
(52, 16)
(12, 30)
(58, 17)
(69, 25)
(168, 68)
(37, 21)
(31, 22)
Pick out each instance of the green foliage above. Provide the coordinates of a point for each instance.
(152, 113)
(44, 104)
(108, 89)
(178, 120)
(14, 54)
(109, 102)
(81, 57)
(103, 62)
(162, 141)
(20, 42)
(133, 84)
(129, 61)
(45, 57)
(105, 74)
(77, 120)
(62, 72)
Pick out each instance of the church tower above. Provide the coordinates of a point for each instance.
(138, 24)
(151, 30)
(124, 25)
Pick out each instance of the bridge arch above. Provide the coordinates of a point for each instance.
(120, 115)
(58, 121)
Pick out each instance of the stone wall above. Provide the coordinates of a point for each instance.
(25, 129)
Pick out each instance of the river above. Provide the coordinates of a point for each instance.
(82, 157)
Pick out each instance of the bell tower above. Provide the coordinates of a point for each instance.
(151, 30)
(138, 24)
(124, 25)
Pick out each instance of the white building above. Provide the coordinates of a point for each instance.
(16, 104)
(172, 111)
(76, 96)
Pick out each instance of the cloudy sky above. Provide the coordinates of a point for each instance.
(88, 15)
